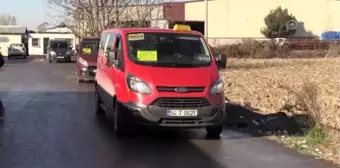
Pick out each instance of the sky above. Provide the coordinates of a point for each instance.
(29, 13)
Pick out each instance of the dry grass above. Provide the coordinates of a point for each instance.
(250, 48)
(260, 82)
(294, 86)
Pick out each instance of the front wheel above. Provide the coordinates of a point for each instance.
(214, 131)
(120, 125)
(98, 102)
(80, 80)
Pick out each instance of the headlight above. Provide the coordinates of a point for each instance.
(52, 53)
(137, 85)
(82, 61)
(217, 88)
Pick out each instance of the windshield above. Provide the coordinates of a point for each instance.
(168, 49)
(89, 48)
(59, 45)
(16, 45)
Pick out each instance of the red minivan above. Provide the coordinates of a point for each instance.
(159, 77)
(87, 55)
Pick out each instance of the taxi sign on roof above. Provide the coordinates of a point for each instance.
(180, 27)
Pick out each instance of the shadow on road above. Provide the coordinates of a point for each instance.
(246, 119)
(65, 125)
(18, 60)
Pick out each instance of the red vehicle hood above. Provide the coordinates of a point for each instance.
(165, 76)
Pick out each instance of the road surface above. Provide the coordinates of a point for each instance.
(50, 123)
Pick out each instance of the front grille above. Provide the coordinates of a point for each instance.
(181, 102)
(91, 68)
(173, 89)
(181, 121)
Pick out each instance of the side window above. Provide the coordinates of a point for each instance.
(120, 53)
(110, 41)
(102, 41)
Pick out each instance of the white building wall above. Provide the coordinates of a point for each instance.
(39, 50)
(8, 39)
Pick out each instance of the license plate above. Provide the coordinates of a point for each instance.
(94, 70)
(60, 57)
(181, 113)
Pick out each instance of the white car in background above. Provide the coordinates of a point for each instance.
(17, 50)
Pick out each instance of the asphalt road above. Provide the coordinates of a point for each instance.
(50, 123)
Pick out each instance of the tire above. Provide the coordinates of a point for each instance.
(80, 80)
(25, 56)
(50, 61)
(99, 110)
(120, 126)
(214, 131)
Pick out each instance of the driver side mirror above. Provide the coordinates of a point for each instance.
(221, 60)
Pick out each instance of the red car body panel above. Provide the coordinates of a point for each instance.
(113, 80)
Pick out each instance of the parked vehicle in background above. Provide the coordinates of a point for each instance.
(159, 77)
(17, 50)
(87, 55)
(59, 50)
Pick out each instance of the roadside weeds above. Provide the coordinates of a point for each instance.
(307, 118)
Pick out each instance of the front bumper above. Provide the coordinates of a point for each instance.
(87, 72)
(153, 115)
(59, 57)
(16, 53)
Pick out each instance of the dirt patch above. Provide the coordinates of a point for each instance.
(263, 104)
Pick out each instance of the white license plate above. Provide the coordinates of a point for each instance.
(61, 57)
(181, 113)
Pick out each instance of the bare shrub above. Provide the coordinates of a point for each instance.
(333, 51)
(251, 48)
(306, 99)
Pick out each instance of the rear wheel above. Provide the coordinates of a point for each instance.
(214, 131)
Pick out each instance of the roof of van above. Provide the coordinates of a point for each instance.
(157, 30)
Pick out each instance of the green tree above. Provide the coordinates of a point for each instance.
(276, 22)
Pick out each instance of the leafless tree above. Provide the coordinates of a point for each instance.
(90, 17)
(6, 19)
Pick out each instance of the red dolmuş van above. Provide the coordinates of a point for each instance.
(159, 77)
(87, 55)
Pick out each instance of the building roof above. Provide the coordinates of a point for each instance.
(12, 30)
